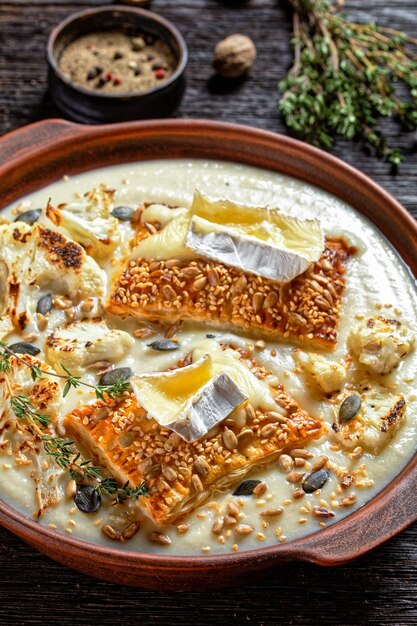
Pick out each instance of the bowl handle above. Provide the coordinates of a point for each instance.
(22, 141)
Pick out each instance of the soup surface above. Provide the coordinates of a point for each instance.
(377, 284)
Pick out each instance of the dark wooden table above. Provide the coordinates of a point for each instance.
(378, 589)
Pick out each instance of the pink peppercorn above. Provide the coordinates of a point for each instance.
(160, 73)
(117, 80)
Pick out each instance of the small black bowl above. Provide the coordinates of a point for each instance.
(90, 106)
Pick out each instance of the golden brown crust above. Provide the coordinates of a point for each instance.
(306, 310)
(182, 475)
(61, 251)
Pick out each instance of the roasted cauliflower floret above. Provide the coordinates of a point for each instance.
(379, 344)
(327, 376)
(78, 344)
(35, 257)
(376, 422)
(89, 221)
(6, 326)
(44, 393)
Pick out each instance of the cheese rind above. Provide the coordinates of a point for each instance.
(189, 401)
(227, 245)
(261, 241)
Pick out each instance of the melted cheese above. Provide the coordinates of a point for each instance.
(258, 240)
(190, 400)
(258, 391)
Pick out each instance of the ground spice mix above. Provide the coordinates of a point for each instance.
(114, 62)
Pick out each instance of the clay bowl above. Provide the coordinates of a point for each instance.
(36, 155)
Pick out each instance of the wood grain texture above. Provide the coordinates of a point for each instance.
(380, 588)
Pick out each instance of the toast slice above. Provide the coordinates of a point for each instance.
(305, 310)
(181, 475)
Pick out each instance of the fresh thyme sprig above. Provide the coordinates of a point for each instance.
(69, 458)
(23, 408)
(113, 391)
(345, 76)
(64, 452)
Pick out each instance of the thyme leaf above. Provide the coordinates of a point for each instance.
(345, 76)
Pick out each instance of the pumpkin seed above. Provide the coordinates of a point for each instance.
(23, 347)
(30, 217)
(210, 336)
(315, 480)
(87, 499)
(349, 408)
(246, 488)
(123, 213)
(44, 305)
(163, 345)
(114, 376)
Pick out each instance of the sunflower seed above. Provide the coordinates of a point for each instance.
(217, 527)
(156, 537)
(267, 431)
(233, 508)
(110, 532)
(285, 463)
(243, 529)
(270, 300)
(229, 439)
(169, 473)
(30, 217)
(197, 484)
(129, 531)
(201, 466)
(246, 488)
(257, 301)
(199, 283)
(295, 477)
(272, 512)
(163, 345)
(241, 283)
(260, 489)
(144, 333)
(319, 463)
(23, 347)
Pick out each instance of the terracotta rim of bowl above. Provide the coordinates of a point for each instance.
(394, 507)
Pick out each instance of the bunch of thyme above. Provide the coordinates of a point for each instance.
(345, 75)
(64, 452)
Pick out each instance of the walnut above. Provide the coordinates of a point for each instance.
(234, 55)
